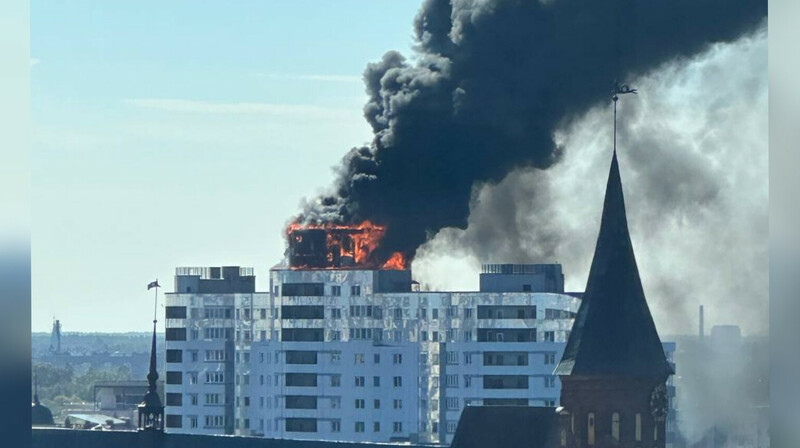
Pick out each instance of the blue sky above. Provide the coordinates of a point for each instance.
(172, 134)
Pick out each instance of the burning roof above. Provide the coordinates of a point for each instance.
(339, 246)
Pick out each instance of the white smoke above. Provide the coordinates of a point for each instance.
(693, 155)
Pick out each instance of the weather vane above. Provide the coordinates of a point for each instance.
(619, 89)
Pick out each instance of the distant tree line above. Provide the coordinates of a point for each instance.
(64, 387)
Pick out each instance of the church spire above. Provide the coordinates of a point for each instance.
(614, 332)
(151, 411)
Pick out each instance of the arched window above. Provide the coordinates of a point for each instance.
(615, 426)
(638, 427)
(590, 429)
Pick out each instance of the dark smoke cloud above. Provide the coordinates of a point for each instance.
(488, 84)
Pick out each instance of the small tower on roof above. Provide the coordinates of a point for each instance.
(40, 414)
(614, 370)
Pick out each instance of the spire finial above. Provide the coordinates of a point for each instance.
(619, 89)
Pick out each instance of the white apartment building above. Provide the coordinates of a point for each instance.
(358, 355)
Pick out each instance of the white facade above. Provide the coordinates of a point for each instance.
(327, 355)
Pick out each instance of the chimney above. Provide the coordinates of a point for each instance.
(702, 328)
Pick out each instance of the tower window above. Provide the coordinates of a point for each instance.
(590, 429)
(638, 427)
(615, 426)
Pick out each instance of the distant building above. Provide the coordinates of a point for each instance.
(120, 399)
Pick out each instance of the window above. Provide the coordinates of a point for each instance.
(336, 290)
(451, 427)
(212, 399)
(263, 313)
(174, 399)
(336, 425)
(193, 377)
(549, 358)
(435, 313)
(452, 403)
(449, 335)
(175, 334)
(467, 381)
(397, 358)
(376, 404)
(301, 425)
(376, 358)
(193, 399)
(174, 378)
(615, 426)
(423, 336)
(451, 311)
(175, 312)
(397, 403)
(336, 313)
(452, 358)
(467, 358)
(359, 426)
(195, 334)
(215, 421)
(590, 429)
(376, 427)
(174, 421)
(550, 381)
(435, 337)
(376, 381)
(397, 313)
(451, 381)
(398, 381)
(468, 335)
(355, 290)
(359, 403)
(638, 427)
(359, 381)
(359, 358)
(467, 313)
(336, 380)
(397, 427)
(174, 355)
(526, 288)
(549, 336)
(303, 289)
(215, 377)
(193, 422)
(423, 313)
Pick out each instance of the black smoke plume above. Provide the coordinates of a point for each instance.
(488, 83)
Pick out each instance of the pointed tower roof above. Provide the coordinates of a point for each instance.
(614, 333)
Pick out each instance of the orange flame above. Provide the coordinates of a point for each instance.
(397, 262)
(354, 242)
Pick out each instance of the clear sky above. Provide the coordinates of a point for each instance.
(184, 133)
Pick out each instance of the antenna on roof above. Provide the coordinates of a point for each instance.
(619, 89)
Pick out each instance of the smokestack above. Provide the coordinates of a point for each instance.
(702, 328)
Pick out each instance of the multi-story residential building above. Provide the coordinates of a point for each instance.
(360, 355)
(212, 318)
